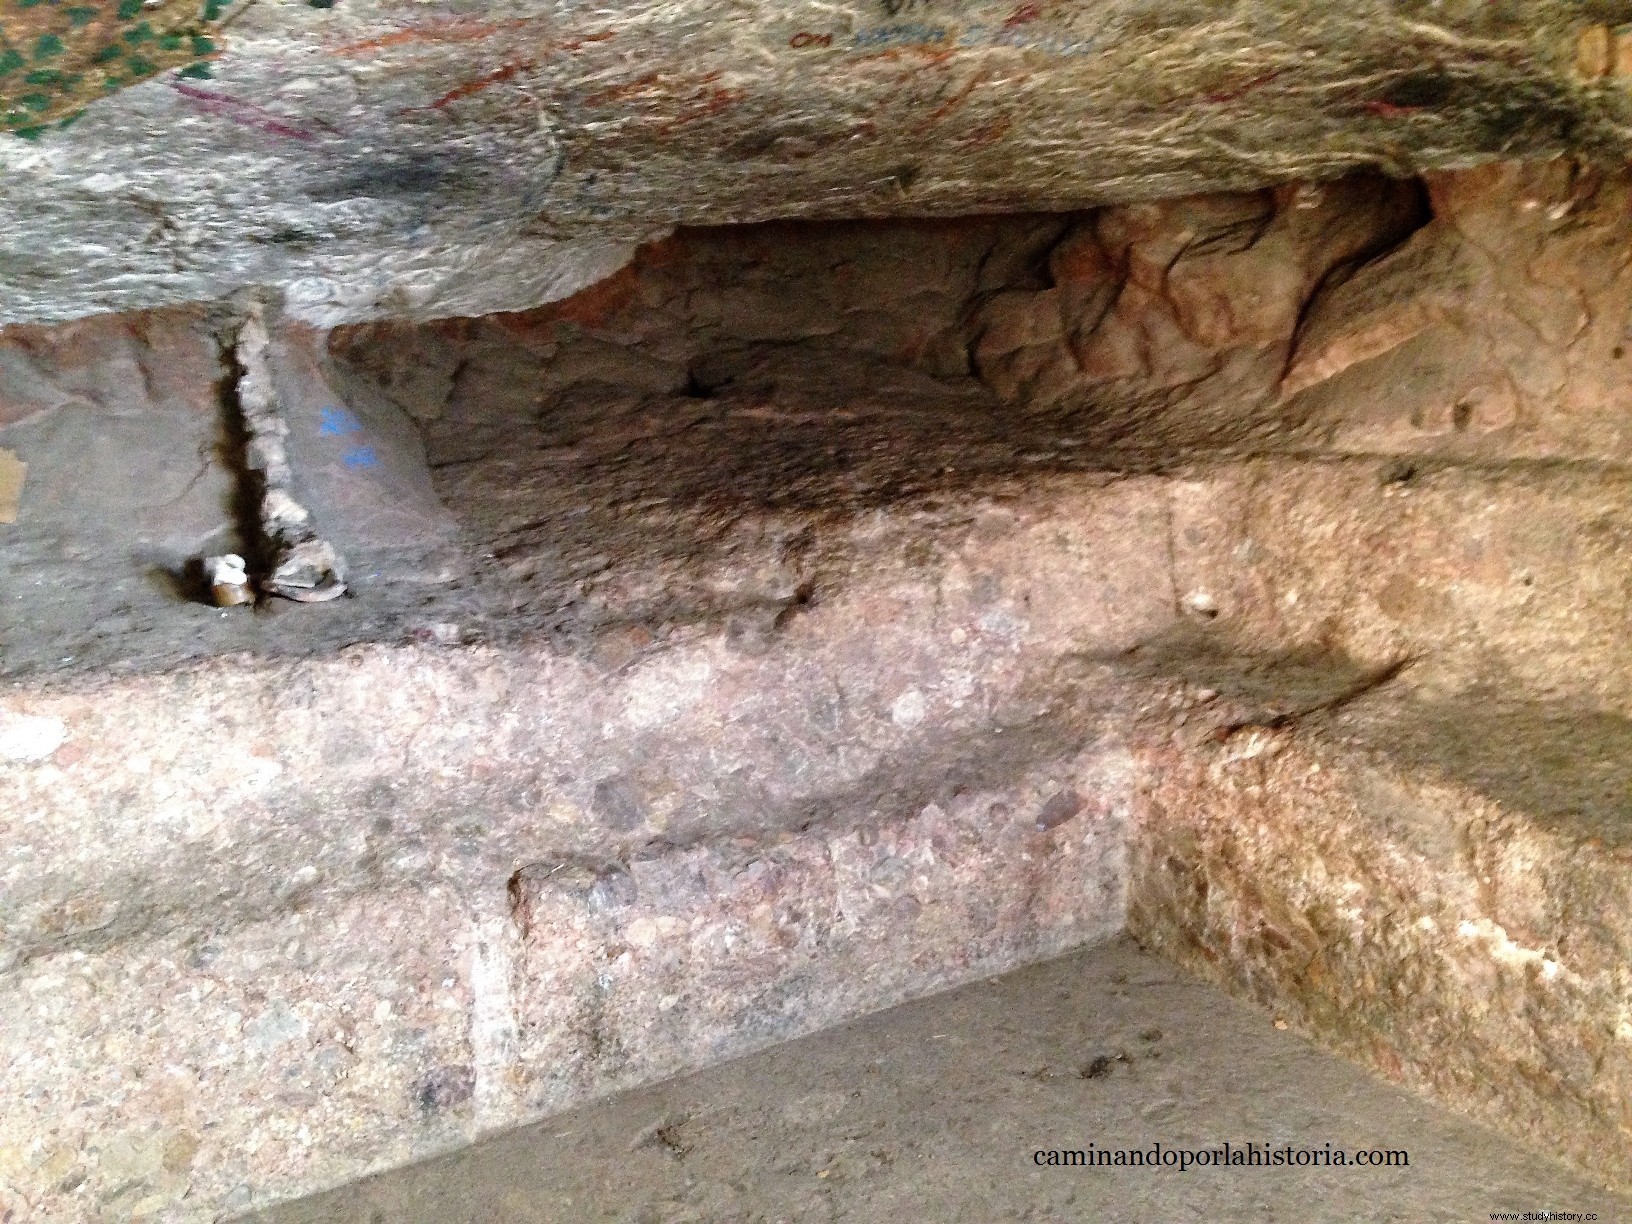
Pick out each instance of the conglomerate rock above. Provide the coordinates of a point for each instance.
(806, 617)
(372, 159)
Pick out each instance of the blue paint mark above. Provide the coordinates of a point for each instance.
(337, 422)
(361, 457)
(909, 33)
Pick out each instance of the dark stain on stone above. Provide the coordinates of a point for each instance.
(1097, 1068)
(288, 236)
(1421, 90)
(795, 139)
(446, 1087)
(616, 803)
(412, 177)
(1398, 472)
(1537, 116)
(1061, 808)
(669, 1136)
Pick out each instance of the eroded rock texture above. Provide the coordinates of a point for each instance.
(808, 616)
(375, 160)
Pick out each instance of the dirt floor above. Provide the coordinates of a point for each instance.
(935, 1111)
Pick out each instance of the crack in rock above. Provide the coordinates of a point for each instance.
(304, 566)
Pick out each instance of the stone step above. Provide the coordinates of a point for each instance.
(1438, 887)
(938, 1111)
(167, 1077)
(749, 666)
(724, 661)
(253, 871)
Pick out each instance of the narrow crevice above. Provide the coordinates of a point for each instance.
(277, 547)
(248, 486)
(1390, 243)
(298, 563)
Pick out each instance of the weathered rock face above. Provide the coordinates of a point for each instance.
(369, 159)
(806, 617)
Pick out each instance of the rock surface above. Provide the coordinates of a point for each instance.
(1435, 888)
(368, 160)
(807, 617)
(936, 1111)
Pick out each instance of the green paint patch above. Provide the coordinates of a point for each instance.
(56, 56)
(197, 72)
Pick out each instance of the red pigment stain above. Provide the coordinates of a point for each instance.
(246, 114)
(805, 39)
(621, 93)
(711, 102)
(505, 73)
(700, 104)
(950, 105)
(479, 84)
(1389, 111)
(986, 134)
(930, 59)
(934, 53)
(1023, 15)
(455, 30)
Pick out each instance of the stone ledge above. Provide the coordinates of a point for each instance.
(374, 162)
(1437, 890)
(205, 1071)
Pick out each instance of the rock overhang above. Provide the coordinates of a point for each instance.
(365, 160)
(809, 617)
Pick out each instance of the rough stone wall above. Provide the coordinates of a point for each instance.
(1438, 892)
(807, 617)
(369, 160)
(273, 926)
